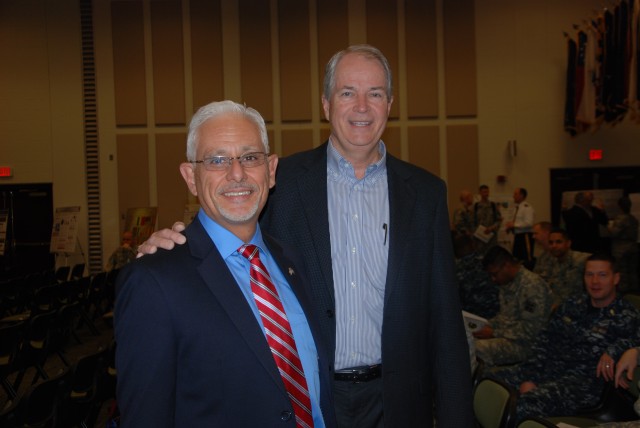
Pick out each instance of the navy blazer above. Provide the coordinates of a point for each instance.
(424, 349)
(190, 352)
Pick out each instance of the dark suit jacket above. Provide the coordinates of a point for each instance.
(424, 348)
(583, 229)
(190, 352)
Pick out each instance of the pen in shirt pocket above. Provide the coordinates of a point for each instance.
(386, 230)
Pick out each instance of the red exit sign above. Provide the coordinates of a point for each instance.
(595, 154)
(6, 171)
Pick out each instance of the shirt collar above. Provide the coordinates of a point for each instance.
(226, 242)
(337, 165)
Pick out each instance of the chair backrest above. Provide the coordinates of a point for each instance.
(536, 423)
(39, 405)
(494, 404)
(77, 271)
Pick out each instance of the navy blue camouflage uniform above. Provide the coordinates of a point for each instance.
(565, 356)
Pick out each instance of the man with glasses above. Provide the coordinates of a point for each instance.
(219, 332)
(525, 305)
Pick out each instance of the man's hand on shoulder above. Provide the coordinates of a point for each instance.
(163, 238)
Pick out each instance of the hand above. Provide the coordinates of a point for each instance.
(527, 386)
(164, 238)
(627, 363)
(485, 332)
(605, 367)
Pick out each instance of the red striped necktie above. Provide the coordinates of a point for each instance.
(279, 336)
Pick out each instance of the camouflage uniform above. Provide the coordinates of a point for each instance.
(120, 257)
(463, 221)
(624, 247)
(525, 305)
(544, 265)
(486, 214)
(564, 358)
(566, 276)
(478, 294)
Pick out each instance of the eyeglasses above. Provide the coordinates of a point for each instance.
(220, 163)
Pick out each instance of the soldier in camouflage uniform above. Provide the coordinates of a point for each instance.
(487, 214)
(123, 254)
(574, 355)
(525, 305)
(544, 260)
(565, 276)
(478, 294)
(462, 217)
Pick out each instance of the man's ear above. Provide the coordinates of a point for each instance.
(188, 171)
(273, 165)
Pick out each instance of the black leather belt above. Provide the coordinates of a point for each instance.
(359, 374)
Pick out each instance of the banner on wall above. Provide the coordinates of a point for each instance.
(64, 234)
(4, 220)
(141, 222)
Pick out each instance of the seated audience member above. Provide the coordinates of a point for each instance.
(543, 259)
(525, 305)
(567, 267)
(123, 254)
(624, 245)
(478, 294)
(463, 216)
(575, 353)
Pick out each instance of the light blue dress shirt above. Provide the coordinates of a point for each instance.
(360, 236)
(228, 244)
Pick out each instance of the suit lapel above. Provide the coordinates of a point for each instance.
(216, 275)
(312, 188)
(292, 276)
(401, 202)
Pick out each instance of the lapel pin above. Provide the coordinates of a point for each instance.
(291, 272)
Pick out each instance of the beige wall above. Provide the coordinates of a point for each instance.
(518, 75)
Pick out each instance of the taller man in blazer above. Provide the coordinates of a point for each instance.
(195, 347)
(374, 235)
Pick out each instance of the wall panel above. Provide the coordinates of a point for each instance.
(168, 62)
(333, 31)
(295, 62)
(462, 160)
(422, 60)
(296, 140)
(172, 190)
(255, 56)
(128, 63)
(393, 141)
(460, 58)
(133, 173)
(424, 147)
(382, 32)
(206, 52)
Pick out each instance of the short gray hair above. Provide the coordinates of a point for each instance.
(366, 51)
(217, 109)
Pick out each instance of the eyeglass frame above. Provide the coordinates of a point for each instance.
(226, 161)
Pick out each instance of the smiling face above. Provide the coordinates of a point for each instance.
(358, 106)
(235, 196)
(600, 281)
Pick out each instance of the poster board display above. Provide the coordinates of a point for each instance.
(141, 222)
(64, 234)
